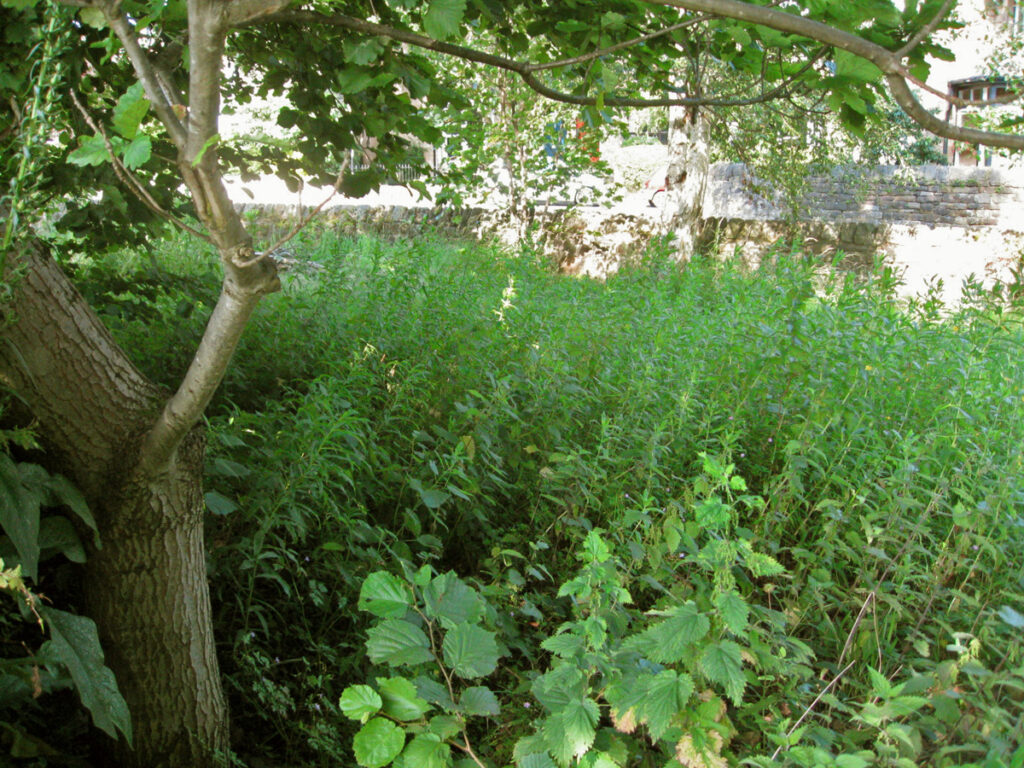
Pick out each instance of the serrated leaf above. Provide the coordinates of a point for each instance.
(712, 513)
(761, 565)
(397, 642)
(427, 751)
(470, 651)
(445, 726)
(19, 514)
(452, 601)
(565, 645)
(384, 595)
(360, 702)
(734, 611)
(722, 663)
(76, 644)
(673, 638)
(378, 743)
(137, 153)
(443, 18)
(130, 111)
(91, 151)
(479, 700)
(556, 688)
(401, 701)
(662, 701)
(434, 692)
(579, 723)
(536, 760)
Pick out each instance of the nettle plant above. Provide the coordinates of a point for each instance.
(432, 627)
(621, 682)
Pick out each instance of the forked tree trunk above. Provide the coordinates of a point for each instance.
(688, 164)
(146, 587)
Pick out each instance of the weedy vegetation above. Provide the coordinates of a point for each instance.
(465, 511)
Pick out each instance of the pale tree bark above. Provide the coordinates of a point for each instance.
(689, 162)
(146, 587)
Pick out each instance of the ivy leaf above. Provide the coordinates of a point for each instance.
(452, 601)
(427, 751)
(360, 702)
(378, 743)
(470, 651)
(76, 644)
(92, 150)
(397, 642)
(130, 111)
(138, 152)
(384, 595)
(443, 18)
(723, 664)
(734, 611)
(400, 699)
(479, 700)
(19, 514)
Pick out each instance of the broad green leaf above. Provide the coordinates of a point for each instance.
(353, 80)
(723, 664)
(579, 720)
(360, 702)
(384, 595)
(556, 688)
(427, 751)
(362, 52)
(92, 150)
(57, 533)
(443, 18)
(479, 700)
(664, 695)
(734, 611)
(19, 514)
(452, 601)
(1011, 617)
(445, 726)
(536, 760)
(712, 513)
(565, 645)
(470, 651)
(378, 743)
(855, 68)
(434, 692)
(401, 701)
(76, 644)
(64, 492)
(595, 548)
(672, 639)
(130, 111)
(397, 642)
(137, 153)
(93, 17)
(218, 504)
(761, 565)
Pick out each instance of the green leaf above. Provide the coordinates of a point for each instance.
(556, 688)
(57, 533)
(452, 601)
(397, 642)
(19, 514)
(855, 68)
(445, 726)
(76, 644)
(723, 664)
(204, 149)
(64, 492)
(712, 513)
(536, 760)
(92, 150)
(360, 702)
(672, 640)
(93, 17)
(434, 692)
(1011, 617)
(595, 549)
(218, 504)
(443, 18)
(362, 52)
(479, 700)
(579, 720)
(353, 80)
(761, 565)
(138, 152)
(378, 743)
(427, 751)
(734, 611)
(130, 111)
(384, 595)
(400, 699)
(470, 651)
(565, 645)
(665, 695)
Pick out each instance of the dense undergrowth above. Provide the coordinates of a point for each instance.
(828, 483)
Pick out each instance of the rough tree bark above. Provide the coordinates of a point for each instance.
(689, 162)
(146, 587)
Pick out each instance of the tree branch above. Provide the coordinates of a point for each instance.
(144, 71)
(924, 31)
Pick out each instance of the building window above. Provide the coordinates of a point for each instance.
(980, 91)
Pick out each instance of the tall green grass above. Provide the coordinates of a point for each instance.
(447, 402)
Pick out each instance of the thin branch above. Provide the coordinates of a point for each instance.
(925, 31)
(129, 180)
(811, 706)
(618, 46)
(144, 71)
(302, 224)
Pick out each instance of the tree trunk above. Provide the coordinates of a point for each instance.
(146, 587)
(689, 161)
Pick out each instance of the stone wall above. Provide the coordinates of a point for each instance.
(931, 195)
